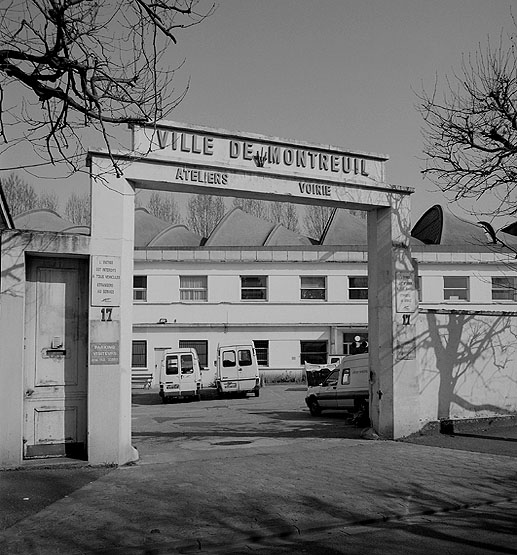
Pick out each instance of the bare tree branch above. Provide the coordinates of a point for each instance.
(470, 126)
(88, 64)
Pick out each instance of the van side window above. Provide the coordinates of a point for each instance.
(332, 378)
(187, 364)
(171, 365)
(228, 359)
(245, 357)
(345, 378)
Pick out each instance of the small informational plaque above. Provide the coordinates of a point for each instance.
(405, 291)
(106, 280)
(104, 353)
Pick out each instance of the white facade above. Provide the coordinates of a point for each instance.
(282, 319)
(283, 323)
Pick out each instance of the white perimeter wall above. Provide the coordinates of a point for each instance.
(467, 364)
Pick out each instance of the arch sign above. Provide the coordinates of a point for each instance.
(202, 159)
(185, 158)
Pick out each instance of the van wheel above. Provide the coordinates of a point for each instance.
(164, 400)
(257, 392)
(314, 407)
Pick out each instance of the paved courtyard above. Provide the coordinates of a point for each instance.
(278, 416)
(260, 475)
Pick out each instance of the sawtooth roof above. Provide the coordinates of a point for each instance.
(280, 236)
(147, 227)
(344, 228)
(44, 219)
(177, 235)
(240, 229)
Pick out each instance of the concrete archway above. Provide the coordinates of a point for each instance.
(181, 158)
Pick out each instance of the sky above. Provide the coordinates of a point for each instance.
(331, 72)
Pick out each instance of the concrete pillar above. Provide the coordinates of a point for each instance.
(392, 310)
(109, 391)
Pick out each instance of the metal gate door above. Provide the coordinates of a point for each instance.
(56, 324)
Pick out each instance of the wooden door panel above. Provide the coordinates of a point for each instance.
(56, 363)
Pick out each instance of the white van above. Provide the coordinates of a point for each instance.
(345, 387)
(180, 375)
(237, 370)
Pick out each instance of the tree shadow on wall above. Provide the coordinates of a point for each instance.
(9, 278)
(470, 349)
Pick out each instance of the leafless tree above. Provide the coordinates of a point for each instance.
(316, 218)
(255, 207)
(278, 212)
(66, 65)
(362, 214)
(49, 200)
(470, 126)
(204, 212)
(286, 214)
(19, 194)
(78, 208)
(163, 206)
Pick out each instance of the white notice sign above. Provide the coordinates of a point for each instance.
(106, 281)
(405, 291)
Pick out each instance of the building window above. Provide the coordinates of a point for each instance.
(262, 352)
(193, 288)
(456, 288)
(350, 342)
(201, 349)
(503, 288)
(254, 288)
(313, 352)
(139, 354)
(358, 287)
(140, 288)
(313, 288)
